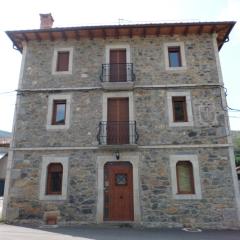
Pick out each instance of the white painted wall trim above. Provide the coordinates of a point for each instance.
(101, 161)
(51, 99)
(182, 52)
(59, 89)
(135, 86)
(174, 159)
(186, 94)
(46, 160)
(54, 61)
(12, 143)
(227, 127)
(117, 46)
(184, 146)
(177, 85)
(139, 147)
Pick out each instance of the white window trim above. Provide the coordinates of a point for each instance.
(174, 159)
(51, 99)
(170, 95)
(123, 94)
(182, 52)
(54, 61)
(46, 160)
(128, 57)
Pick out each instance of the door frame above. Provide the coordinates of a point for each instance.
(118, 46)
(125, 157)
(123, 94)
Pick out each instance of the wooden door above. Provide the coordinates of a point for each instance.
(118, 121)
(118, 192)
(118, 69)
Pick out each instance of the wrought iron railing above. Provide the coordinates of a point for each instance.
(117, 72)
(117, 133)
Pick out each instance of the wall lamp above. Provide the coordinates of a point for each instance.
(117, 155)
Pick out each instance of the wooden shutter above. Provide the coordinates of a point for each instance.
(185, 181)
(118, 121)
(63, 61)
(118, 67)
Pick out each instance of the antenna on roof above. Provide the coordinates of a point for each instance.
(121, 21)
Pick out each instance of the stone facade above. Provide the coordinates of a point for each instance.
(207, 139)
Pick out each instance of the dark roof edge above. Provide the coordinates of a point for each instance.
(123, 26)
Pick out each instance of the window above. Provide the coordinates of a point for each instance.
(62, 61)
(59, 112)
(54, 178)
(174, 56)
(2, 183)
(185, 177)
(58, 116)
(179, 109)
(118, 57)
(185, 183)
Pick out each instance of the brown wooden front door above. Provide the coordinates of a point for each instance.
(118, 70)
(118, 191)
(118, 121)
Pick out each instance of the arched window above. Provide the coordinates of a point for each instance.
(185, 180)
(54, 179)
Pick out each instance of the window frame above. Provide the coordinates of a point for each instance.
(54, 111)
(55, 60)
(110, 47)
(46, 160)
(49, 180)
(50, 112)
(189, 111)
(184, 108)
(193, 159)
(182, 57)
(191, 178)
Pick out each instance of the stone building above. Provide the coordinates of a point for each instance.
(122, 124)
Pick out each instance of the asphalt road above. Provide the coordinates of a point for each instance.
(8, 232)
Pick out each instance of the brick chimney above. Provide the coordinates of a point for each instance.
(46, 20)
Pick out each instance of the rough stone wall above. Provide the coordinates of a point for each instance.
(147, 55)
(217, 207)
(158, 208)
(151, 114)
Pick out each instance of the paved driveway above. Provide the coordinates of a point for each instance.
(8, 232)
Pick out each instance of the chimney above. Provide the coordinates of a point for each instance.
(46, 20)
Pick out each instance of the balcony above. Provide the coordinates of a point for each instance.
(117, 134)
(119, 76)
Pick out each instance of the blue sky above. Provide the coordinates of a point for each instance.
(24, 14)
